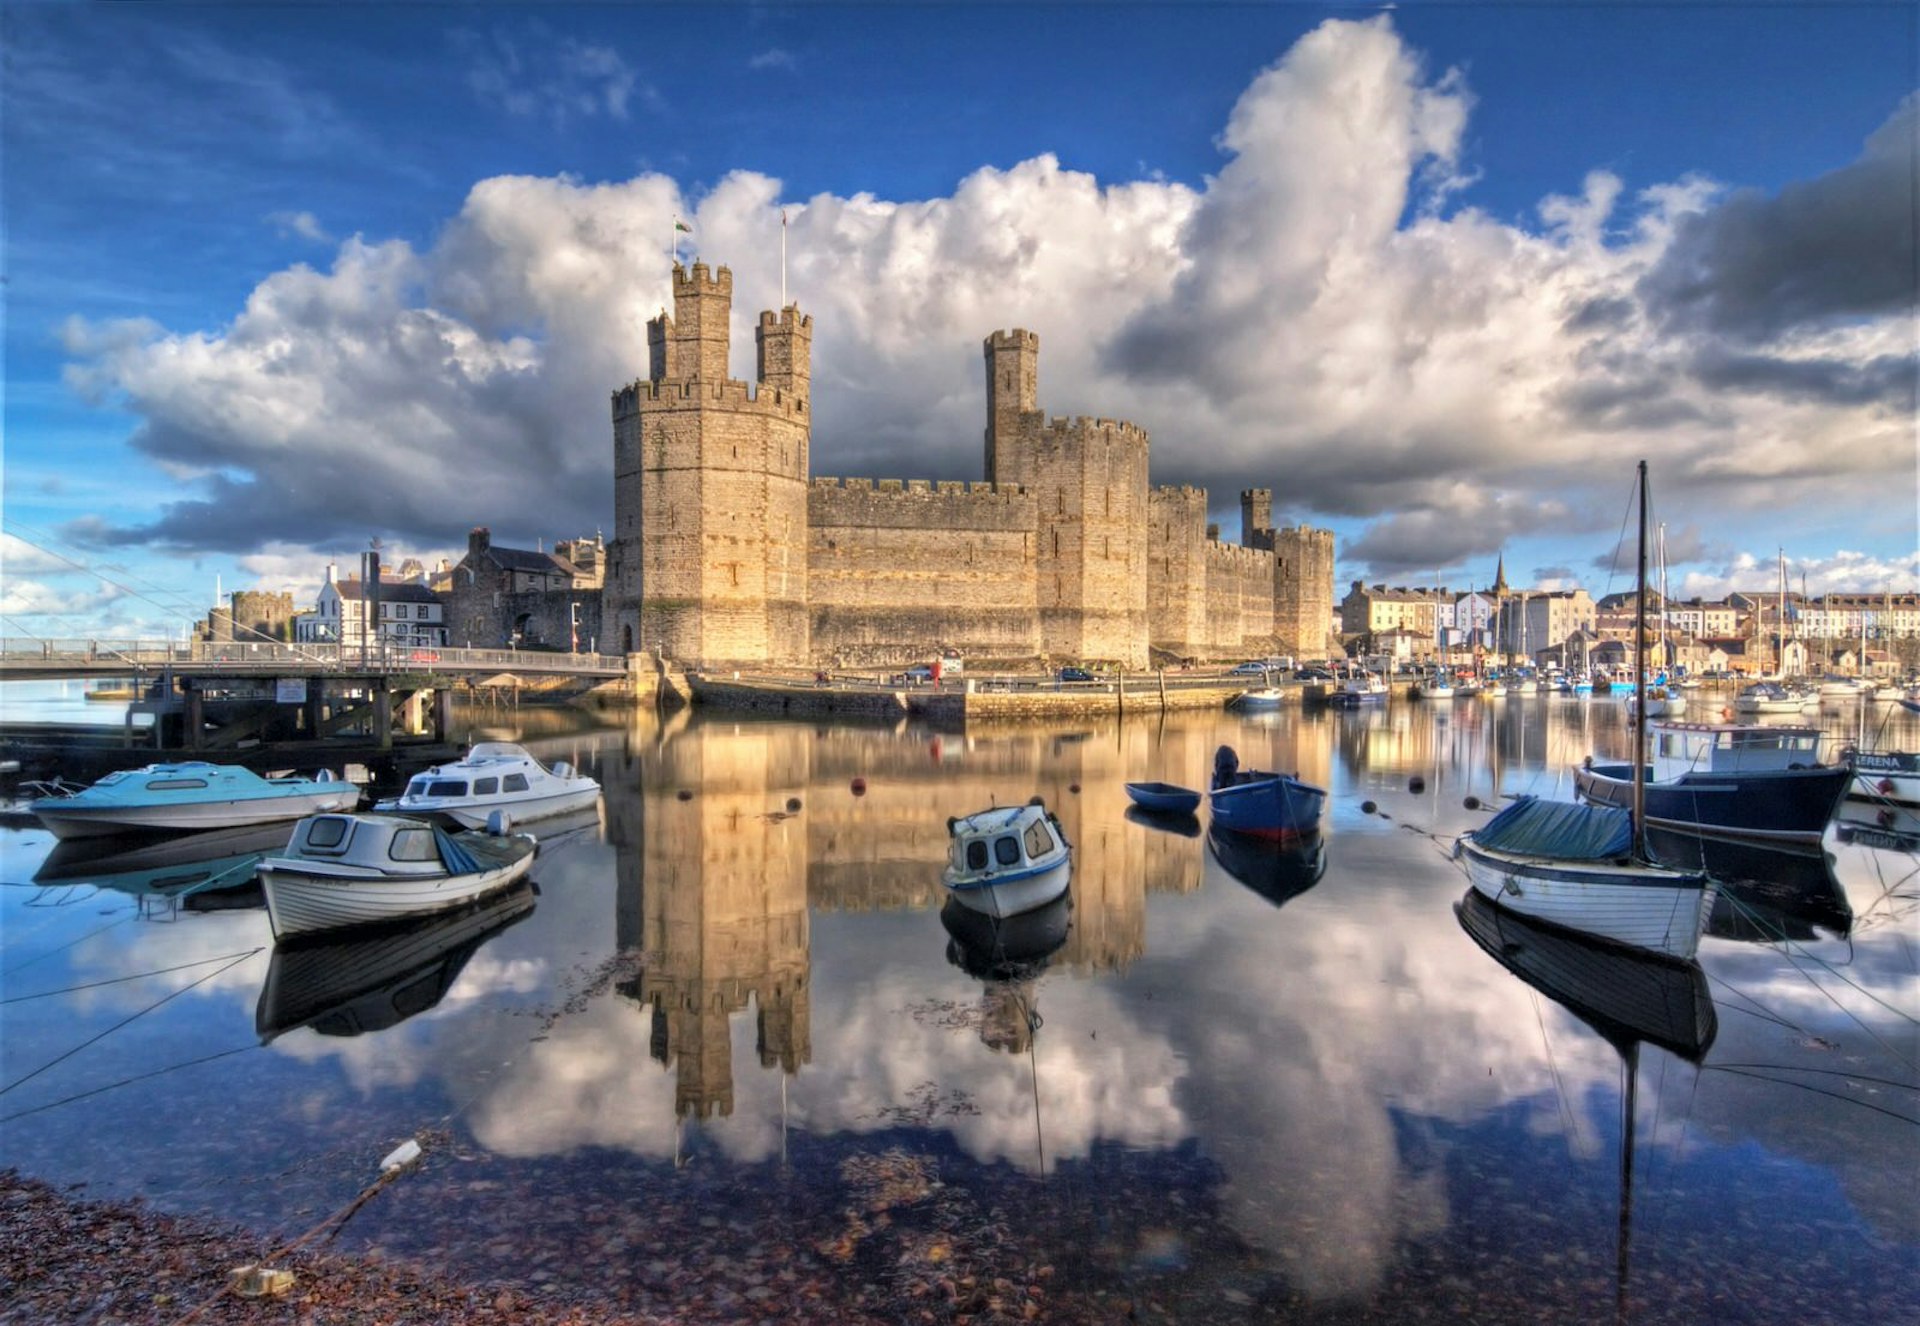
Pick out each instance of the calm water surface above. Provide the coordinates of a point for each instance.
(732, 1060)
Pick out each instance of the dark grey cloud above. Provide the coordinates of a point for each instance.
(1840, 246)
(1886, 380)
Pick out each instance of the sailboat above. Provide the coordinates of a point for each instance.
(1585, 867)
(1628, 998)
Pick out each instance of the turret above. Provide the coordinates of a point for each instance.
(784, 351)
(1256, 517)
(698, 333)
(1013, 390)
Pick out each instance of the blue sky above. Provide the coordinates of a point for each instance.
(282, 279)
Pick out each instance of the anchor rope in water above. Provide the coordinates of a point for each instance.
(1803, 1086)
(129, 1081)
(134, 1017)
(121, 980)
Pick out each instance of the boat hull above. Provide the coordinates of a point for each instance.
(1011, 897)
(1768, 805)
(307, 897)
(473, 812)
(1268, 806)
(1638, 907)
(1889, 779)
(1164, 798)
(83, 821)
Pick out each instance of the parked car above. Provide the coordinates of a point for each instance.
(1075, 674)
(1250, 669)
(918, 673)
(1312, 674)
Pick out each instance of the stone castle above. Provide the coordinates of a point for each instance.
(726, 551)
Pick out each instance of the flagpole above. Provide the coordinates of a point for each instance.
(783, 259)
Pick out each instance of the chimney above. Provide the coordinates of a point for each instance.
(333, 572)
(479, 539)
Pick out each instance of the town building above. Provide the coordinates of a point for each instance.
(501, 597)
(393, 611)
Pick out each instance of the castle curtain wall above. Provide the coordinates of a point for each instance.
(899, 569)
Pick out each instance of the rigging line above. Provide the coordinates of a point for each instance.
(119, 980)
(116, 567)
(1759, 1010)
(1830, 1072)
(1567, 1118)
(169, 609)
(101, 930)
(123, 1022)
(129, 1081)
(1803, 1086)
(1788, 949)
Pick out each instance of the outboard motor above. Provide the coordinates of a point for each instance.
(499, 823)
(1226, 766)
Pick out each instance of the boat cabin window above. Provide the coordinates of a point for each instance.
(174, 784)
(977, 854)
(1039, 841)
(1006, 851)
(514, 783)
(413, 845)
(485, 787)
(328, 831)
(447, 787)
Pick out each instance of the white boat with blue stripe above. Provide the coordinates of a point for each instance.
(1008, 860)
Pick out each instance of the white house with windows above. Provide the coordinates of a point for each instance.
(407, 613)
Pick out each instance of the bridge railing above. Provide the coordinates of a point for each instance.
(390, 656)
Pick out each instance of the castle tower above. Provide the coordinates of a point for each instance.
(1089, 481)
(708, 564)
(702, 303)
(1013, 392)
(1256, 517)
(1302, 590)
(783, 351)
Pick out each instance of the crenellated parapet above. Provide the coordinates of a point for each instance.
(695, 393)
(974, 487)
(918, 504)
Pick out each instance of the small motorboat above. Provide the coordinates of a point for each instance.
(1265, 697)
(494, 775)
(348, 870)
(1267, 805)
(1164, 798)
(1768, 697)
(1008, 860)
(190, 796)
(1361, 688)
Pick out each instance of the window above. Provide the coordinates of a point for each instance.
(1039, 841)
(413, 845)
(514, 783)
(977, 854)
(447, 787)
(174, 784)
(486, 787)
(1006, 851)
(328, 832)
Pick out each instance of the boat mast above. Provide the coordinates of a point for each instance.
(1640, 683)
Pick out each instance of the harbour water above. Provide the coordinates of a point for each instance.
(731, 1062)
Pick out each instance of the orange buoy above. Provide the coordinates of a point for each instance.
(859, 786)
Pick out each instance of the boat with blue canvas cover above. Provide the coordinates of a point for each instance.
(1584, 867)
(1007, 859)
(1164, 798)
(1268, 805)
(348, 870)
(190, 796)
(1739, 780)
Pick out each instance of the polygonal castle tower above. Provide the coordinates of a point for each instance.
(709, 557)
(1088, 478)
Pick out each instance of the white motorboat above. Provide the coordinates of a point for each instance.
(494, 775)
(1768, 697)
(347, 870)
(1008, 860)
(190, 796)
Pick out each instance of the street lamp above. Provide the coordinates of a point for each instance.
(573, 608)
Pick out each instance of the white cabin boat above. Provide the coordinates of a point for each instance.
(1767, 697)
(348, 870)
(1008, 860)
(494, 775)
(190, 796)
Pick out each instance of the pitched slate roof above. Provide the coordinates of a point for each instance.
(391, 591)
(534, 563)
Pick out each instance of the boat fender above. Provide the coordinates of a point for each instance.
(858, 787)
(1587, 763)
(499, 823)
(324, 776)
(1885, 785)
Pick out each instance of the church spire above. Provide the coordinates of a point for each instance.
(1500, 589)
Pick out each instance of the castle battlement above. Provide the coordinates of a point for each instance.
(1019, 337)
(730, 392)
(700, 281)
(1082, 427)
(972, 491)
(1237, 556)
(1184, 492)
(790, 316)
